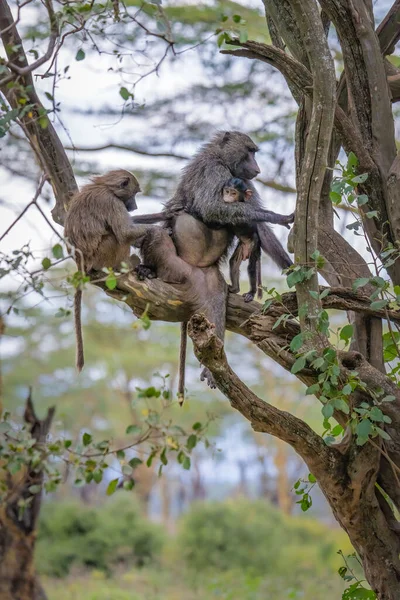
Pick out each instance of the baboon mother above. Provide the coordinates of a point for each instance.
(202, 224)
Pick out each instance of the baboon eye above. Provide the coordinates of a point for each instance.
(125, 183)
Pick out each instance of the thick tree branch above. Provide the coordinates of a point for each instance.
(315, 158)
(301, 78)
(262, 416)
(389, 29)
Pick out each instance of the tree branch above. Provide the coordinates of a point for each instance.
(315, 159)
(43, 140)
(389, 29)
(262, 416)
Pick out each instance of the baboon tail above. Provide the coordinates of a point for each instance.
(182, 363)
(80, 360)
(272, 246)
(149, 219)
(259, 280)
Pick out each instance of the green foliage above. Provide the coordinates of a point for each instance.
(174, 583)
(72, 534)
(247, 535)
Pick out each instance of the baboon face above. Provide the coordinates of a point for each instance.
(236, 190)
(230, 195)
(239, 153)
(122, 184)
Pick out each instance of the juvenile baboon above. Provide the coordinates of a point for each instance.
(248, 246)
(99, 227)
(203, 226)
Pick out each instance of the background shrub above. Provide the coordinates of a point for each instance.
(97, 537)
(257, 538)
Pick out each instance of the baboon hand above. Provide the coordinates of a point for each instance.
(248, 297)
(206, 375)
(144, 272)
(288, 220)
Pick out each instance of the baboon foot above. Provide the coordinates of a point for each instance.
(144, 272)
(206, 375)
(248, 297)
(233, 289)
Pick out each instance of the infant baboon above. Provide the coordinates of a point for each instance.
(99, 227)
(248, 247)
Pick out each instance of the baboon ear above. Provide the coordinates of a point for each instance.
(226, 138)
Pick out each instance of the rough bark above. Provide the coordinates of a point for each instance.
(18, 579)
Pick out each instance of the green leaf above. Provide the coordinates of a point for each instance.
(352, 161)
(335, 197)
(46, 263)
(112, 486)
(34, 489)
(98, 475)
(378, 304)
(360, 178)
(67, 443)
(298, 365)
(318, 363)
(375, 414)
(296, 343)
(311, 478)
(197, 426)
(382, 433)
(127, 470)
(135, 462)
(120, 454)
(221, 39)
(191, 441)
(163, 457)
(364, 428)
(236, 18)
(324, 293)
(58, 251)
(346, 333)
(124, 93)
(86, 439)
(371, 214)
(327, 411)
(133, 429)
(360, 282)
(313, 389)
(80, 55)
(186, 463)
(111, 282)
(306, 502)
(341, 404)
(362, 199)
(337, 430)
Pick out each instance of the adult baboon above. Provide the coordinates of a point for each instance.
(98, 225)
(203, 226)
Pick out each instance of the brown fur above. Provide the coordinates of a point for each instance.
(99, 228)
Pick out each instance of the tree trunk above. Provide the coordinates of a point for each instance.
(18, 579)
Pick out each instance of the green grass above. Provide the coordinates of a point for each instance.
(179, 584)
